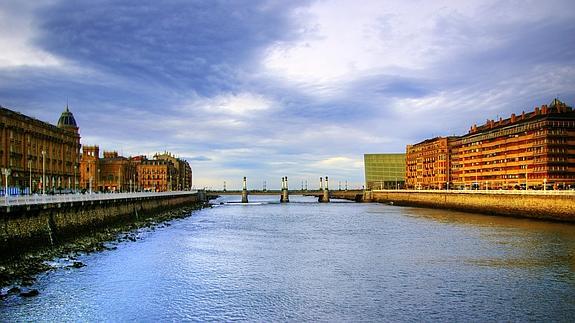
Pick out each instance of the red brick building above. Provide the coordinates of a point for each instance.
(531, 150)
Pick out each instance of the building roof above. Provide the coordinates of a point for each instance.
(67, 119)
(555, 110)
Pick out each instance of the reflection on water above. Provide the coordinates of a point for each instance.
(306, 261)
(534, 243)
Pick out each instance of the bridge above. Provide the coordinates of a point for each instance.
(322, 194)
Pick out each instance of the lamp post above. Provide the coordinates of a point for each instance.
(43, 172)
(30, 178)
(75, 188)
(6, 172)
(545, 184)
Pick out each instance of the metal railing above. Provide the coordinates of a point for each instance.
(502, 192)
(65, 198)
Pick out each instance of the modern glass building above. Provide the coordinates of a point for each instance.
(384, 171)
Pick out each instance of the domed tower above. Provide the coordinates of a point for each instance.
(67, 121)
(70, 149)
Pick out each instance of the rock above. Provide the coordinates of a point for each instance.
(77, 264)
(29, 292)
(28, 281)
(14, 290)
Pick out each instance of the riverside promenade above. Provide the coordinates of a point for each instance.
(39, 220)
(550, 204)
(32, 200)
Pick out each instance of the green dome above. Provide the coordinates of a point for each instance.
(67, 119)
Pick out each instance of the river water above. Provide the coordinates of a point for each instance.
(306, 261)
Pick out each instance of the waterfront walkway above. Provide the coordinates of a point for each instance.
(65, 198)
(495, 192)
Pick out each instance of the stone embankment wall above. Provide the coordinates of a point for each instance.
(541, 206)
(28, 226)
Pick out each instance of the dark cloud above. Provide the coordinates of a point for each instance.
(178, 44)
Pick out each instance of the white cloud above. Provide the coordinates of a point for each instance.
(340, 162)
(240, 104)
(343, 41)
(18, 32)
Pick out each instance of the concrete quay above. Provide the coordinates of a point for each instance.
(550, 205)
(44, 220)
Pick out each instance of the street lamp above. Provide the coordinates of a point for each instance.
(30, 169)
(6, 172)
(43, 172)
(75, 184)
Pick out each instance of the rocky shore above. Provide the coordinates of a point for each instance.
(17, 272)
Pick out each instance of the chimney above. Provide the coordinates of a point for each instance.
(537, 112)
(473, 128)
(523, 115)
(513, 118)
(544, 109)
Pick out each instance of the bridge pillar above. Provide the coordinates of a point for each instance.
(285, 191)
(367, 196)
(325, 198)
(244, 192)
(320, 198)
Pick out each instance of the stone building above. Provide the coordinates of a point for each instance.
(118, 173)
(112, 173)
(531, 150)
(36, 155)
(427, 164)
(183, 177)
(157, 175)
(90, 168)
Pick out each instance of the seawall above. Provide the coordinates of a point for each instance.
(30, 225)
(559, 206)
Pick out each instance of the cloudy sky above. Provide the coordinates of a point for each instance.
(267, 88)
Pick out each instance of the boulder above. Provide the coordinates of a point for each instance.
(29, 292)
(77, 264)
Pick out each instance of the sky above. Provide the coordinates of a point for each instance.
(270, 88)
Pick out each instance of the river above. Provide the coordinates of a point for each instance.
(306, 261)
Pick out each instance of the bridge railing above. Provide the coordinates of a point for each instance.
(64, 198)
(502, 192)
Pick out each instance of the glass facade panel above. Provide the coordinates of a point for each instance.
(384, 171)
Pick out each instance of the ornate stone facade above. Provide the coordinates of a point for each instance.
(37, 155)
